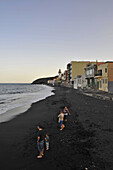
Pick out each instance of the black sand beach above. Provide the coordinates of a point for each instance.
(86, 141)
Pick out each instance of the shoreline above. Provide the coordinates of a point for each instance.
(12, 113)
(86, 141)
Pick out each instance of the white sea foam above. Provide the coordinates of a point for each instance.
(17, 98)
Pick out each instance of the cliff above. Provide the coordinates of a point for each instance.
(43, 80)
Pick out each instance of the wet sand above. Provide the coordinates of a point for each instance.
(86, 141)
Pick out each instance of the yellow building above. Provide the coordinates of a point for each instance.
(105, 77)
(75, 68)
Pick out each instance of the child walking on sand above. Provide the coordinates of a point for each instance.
(66, 113)
(47, 142)
(61, 116)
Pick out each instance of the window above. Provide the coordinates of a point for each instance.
(100, 72)
(87, 72)
(106, 81)
(79, 81)
(100, 84)
(105, 70)
(90, 71)
(103, 81)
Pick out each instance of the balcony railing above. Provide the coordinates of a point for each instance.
(98, 74)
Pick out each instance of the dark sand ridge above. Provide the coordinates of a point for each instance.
(86, 141)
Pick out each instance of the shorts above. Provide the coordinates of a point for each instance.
(40, 145)
(61, 123)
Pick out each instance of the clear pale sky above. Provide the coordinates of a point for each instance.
(37, 37)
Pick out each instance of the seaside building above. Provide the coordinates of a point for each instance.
(65, 75)
(64, 78)
(90, 73)
(68, 74)
(84, 81)
(58, 80)
(104, 77)
(75, 68)
(77, 82)
(51, 82)
(80, 81)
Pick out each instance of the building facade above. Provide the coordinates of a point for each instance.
(80, 81)
(75, 68)
(104, 77)
(69, 76)
(77, 82)
(90, 73)
(84, 81)
(64, 79)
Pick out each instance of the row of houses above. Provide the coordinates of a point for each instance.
(87, 74)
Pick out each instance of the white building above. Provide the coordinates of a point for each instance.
(77, 82)
(51, 82)
(80, 81)
(84, 81)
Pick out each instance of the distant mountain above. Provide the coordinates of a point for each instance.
(43, 80)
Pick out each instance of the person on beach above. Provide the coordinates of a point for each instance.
(40, 141)
(66, 113)
(61, 117)
(47, 142)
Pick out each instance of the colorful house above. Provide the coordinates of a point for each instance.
(90, 72)
(104, 77)
(75, 68)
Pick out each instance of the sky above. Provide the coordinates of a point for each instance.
(37, 37)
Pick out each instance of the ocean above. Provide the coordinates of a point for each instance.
(17, 98)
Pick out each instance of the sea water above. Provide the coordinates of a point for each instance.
(17, 98)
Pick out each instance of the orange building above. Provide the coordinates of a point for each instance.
(105, 77)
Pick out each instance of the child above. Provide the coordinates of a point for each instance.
(47, 142)
(66, 113)
(61, 116)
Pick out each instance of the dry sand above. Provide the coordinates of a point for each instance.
(86, 141)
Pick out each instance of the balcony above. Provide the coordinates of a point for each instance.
(98, 74)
